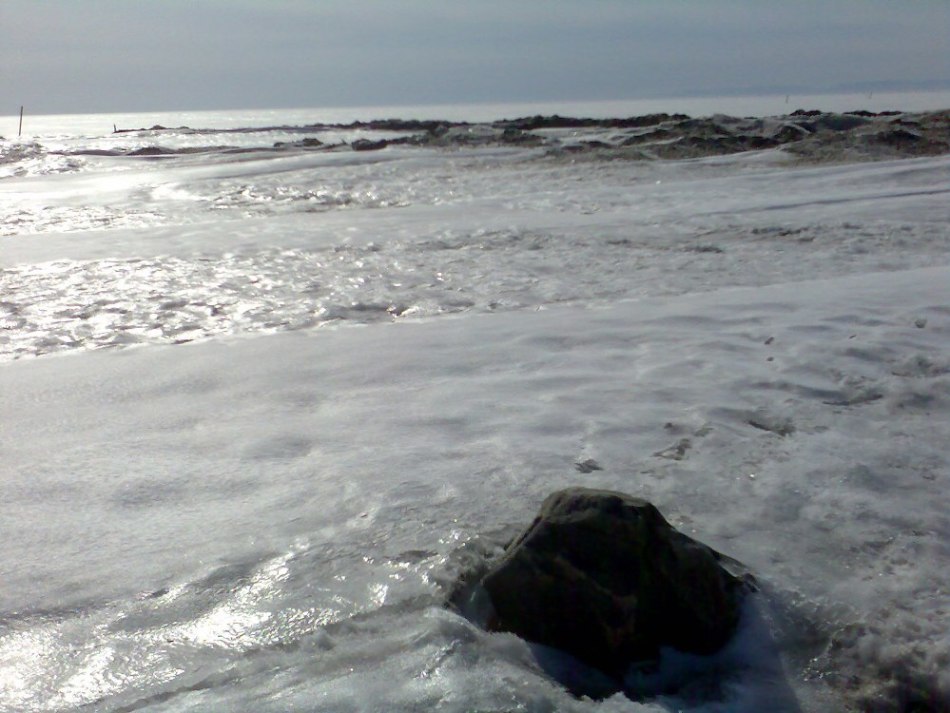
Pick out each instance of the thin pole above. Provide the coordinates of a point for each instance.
(20, 133)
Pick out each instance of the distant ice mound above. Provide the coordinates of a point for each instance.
(812, 136)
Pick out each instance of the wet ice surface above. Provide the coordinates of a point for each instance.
(437, 234)
(270, 523)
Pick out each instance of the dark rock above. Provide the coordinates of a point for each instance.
(605, 578)
(702, 127)
(871, 114)
(369, 145)
(721, 145)
(829, 122)
(898, 137)
(790, 132)
(530, 123)
(151, 151)
(758, 143)
(438, 128)
(309, 142)
(704, 248)
(415, 125)
(646, 120)
(839, 122)
(519, 137)
(655, 135)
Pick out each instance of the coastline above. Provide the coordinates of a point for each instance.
(764, 105)
(810, 136)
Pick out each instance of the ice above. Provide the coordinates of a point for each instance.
(269, 516)
(576, 233)
(421, 435)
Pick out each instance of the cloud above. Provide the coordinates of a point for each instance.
(102, 55)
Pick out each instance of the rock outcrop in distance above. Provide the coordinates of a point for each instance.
(807, 136)
(810, 136)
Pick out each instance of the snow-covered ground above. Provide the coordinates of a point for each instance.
(396, 355)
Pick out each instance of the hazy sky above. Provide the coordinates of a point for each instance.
(152, 55)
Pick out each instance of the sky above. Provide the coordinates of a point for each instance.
(76, 56)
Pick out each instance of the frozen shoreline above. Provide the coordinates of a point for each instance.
(272, 512)
(807, 135)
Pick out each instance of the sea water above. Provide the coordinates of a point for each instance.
(260, 407)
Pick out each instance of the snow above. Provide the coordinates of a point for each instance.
(268, 517)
